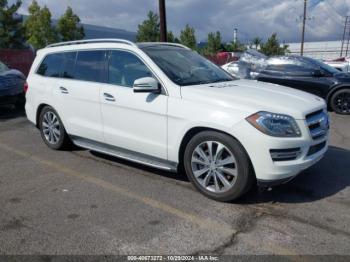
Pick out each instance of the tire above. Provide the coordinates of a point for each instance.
(237, 171)
(52, 130)
(340, 102)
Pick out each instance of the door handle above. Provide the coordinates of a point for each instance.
(64, 90)
(108, 97)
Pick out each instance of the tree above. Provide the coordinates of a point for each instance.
(39, 29)
(68, 28)
(235, 47)
(257, 41)
(11, 27)
(273, 47)
(214, 43)
(188, 37)
(171, 37)
(149, 30)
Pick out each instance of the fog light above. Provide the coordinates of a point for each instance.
(285, 154)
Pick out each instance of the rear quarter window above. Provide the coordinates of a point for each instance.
(58, 65)
(51, 65)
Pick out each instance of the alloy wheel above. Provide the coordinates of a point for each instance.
(51, 127)
(214, 166)
(342, 102)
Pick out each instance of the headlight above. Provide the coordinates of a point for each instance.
(275, 124)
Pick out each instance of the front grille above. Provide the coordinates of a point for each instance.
(318, 124)
(285, 154)
(316, 148)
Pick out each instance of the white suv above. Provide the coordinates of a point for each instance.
(165, 106)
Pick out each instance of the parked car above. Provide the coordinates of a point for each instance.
(11, 86)
(298, 72)
(342, 64)
(165, 106)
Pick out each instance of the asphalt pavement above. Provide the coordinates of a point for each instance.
(80, 202)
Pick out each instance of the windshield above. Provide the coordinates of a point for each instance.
(3, 67)
(185, 67)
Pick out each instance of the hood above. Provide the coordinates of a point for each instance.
(250, 96)
(11, 79)
(13, 72)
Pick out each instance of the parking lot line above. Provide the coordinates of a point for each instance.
(194, 219)
(206, 223)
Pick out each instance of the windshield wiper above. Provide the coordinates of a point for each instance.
(206, 82)
(221, 80)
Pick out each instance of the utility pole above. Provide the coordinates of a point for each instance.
(303, 31)
(346, 34)
(162, 16)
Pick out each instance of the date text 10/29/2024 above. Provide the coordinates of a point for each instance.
(173, 258)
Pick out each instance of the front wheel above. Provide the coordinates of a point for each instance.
(340, 102)
(218, 166)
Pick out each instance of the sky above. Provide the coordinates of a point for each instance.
(252, 18)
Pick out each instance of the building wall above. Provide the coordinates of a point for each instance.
(319, 50)
(17, 59)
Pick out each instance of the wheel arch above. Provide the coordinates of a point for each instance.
(38, 111)
(196, 130)
(332, 92)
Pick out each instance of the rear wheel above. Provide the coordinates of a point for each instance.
(218, 166)
(340, 102)
(52, 130)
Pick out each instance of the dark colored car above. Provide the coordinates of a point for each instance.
(301, 73)
(11, 86)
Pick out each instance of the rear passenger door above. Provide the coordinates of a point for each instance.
(273, 74)
(77, 93)
(133, 121)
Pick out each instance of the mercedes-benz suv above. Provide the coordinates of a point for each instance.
(165, 106)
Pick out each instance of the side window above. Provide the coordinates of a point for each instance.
(298, 70)
(278, 68)
(90, 66)
(124, 68)
(51, 66)
(289, 69)
(69, 65)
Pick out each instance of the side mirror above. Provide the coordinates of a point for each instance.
(318, 73)
(146, 85)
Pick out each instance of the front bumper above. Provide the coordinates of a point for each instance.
(272, 183)
(269, 172)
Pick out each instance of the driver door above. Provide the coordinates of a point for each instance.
(304, 79)
(132, 121)
(295, 76)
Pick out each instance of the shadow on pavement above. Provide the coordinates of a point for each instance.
(177, 176)
(10, 112)
(328, 177)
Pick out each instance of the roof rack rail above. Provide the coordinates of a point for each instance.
(94, 41)
(164, 43)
